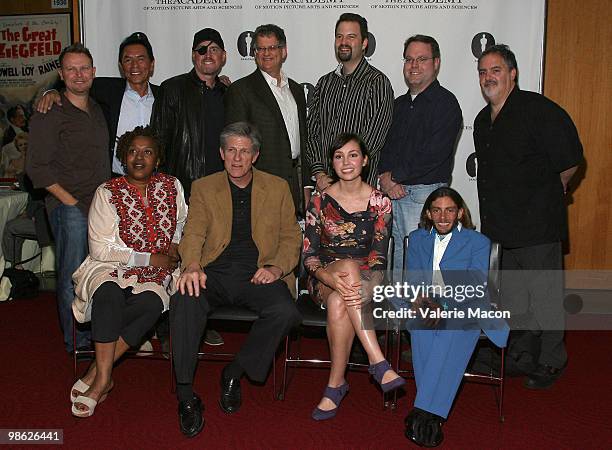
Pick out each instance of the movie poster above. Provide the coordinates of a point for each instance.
(29, 50)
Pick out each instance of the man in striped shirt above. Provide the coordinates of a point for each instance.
(355, 97)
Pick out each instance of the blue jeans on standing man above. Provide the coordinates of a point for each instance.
(69, 226)
(406, 218)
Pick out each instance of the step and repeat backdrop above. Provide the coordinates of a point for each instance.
(463, 28)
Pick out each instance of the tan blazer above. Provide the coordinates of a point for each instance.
(276, 232)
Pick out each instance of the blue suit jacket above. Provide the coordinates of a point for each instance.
(465, 262)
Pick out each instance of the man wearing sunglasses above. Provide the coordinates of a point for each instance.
(188, 115)
(275, 104)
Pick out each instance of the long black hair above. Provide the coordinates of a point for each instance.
(466, 219)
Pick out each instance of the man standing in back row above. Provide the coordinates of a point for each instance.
(275, 104)
(188, 114)
(68, 156)
(528, 149)
(418, 154)
(355, 98)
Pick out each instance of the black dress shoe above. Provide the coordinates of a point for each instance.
(430, 432)
(543, 377)
(190, 416)
(231, 398)
(424, 428)
(409, 422)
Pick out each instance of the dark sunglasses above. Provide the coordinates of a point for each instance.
(207, 48)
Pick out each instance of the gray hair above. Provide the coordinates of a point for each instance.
(241, 129)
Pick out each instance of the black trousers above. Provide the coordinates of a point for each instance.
(272, 303)
(117, 312)
(532, 289)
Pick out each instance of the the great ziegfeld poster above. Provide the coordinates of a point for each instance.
(29, 50)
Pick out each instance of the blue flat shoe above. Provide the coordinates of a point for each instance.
(378, 372)
(335, 395)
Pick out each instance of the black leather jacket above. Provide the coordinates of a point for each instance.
(180, 116)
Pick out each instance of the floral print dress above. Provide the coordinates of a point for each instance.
(333, 234)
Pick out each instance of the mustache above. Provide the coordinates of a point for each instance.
(490, 83)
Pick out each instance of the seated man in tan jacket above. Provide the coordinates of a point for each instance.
(239, 247)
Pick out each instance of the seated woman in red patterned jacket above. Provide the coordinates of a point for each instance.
(135, 224)
(345, 247)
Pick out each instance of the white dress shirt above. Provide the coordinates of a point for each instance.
(288, 108)
(135, 111)
(440, 244)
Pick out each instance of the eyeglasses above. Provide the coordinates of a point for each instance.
(420, 60)
(271, 48)
(208, 48)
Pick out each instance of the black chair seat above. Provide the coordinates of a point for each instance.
(312, 314)
(228, 312)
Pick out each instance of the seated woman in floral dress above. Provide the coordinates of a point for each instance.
(135, 224)
(345, 246)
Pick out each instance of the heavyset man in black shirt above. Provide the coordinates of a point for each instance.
(527, 149)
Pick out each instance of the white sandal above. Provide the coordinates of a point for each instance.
(89, 402)
(80, 386)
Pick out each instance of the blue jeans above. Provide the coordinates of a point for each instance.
(69, 227)
(406, 218)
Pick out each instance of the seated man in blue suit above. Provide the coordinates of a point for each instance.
(451, 260)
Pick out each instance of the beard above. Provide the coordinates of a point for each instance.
(344, 56)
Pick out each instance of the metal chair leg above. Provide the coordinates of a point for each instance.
(74, 349)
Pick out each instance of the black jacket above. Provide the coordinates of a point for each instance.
(251, 99)
(108, 92)
(181, 115)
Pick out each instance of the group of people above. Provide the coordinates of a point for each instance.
(186, 197)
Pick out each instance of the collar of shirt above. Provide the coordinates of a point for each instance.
(361, 68)
(427, 93)
(196, 80)
(458, 228)
(507, 106)
(237, 190)
(130, 92)
(273, 81)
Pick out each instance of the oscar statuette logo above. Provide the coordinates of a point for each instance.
(471, 165)
(245, 44)
(482, 41)
(308, 90)
(371, 45)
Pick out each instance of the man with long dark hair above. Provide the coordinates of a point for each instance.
(451, 261)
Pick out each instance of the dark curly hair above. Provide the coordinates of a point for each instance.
(124, 142)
